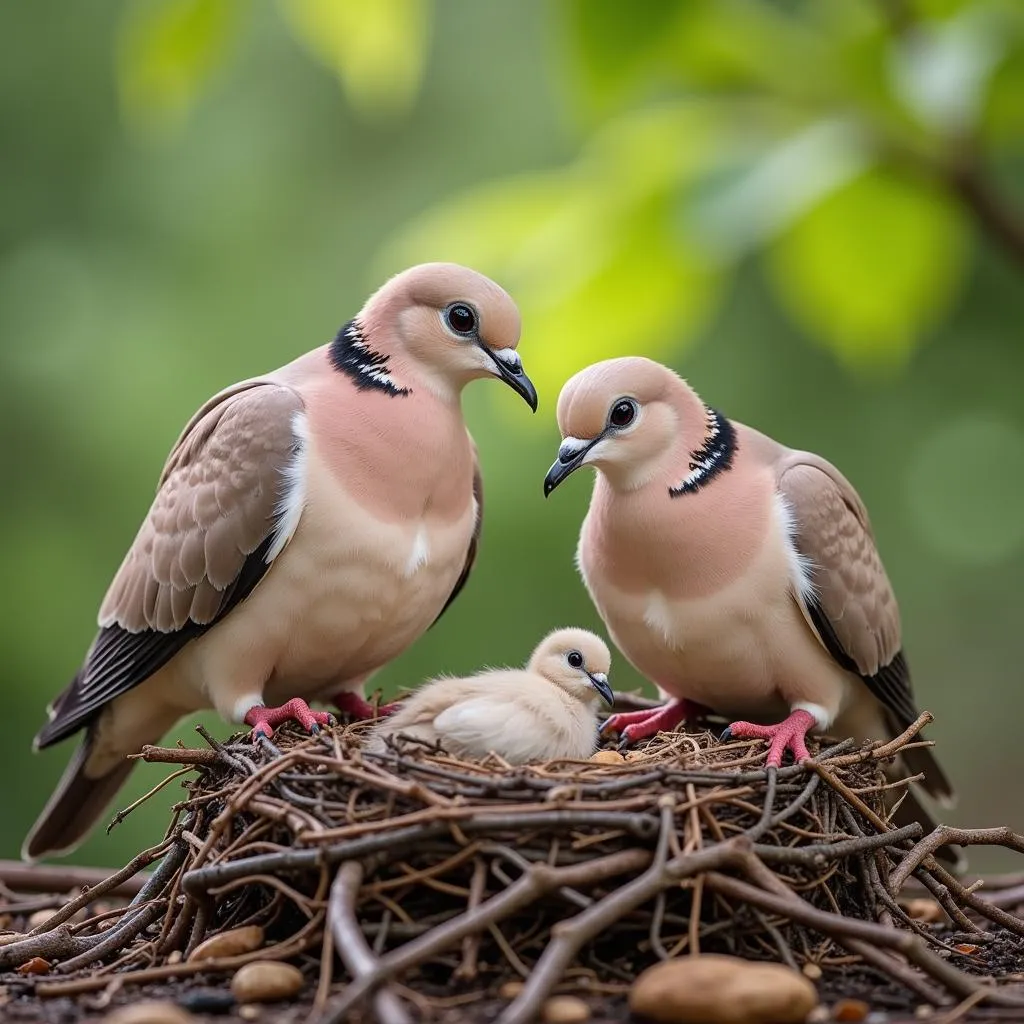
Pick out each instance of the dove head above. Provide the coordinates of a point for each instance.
(625, 417)
(441, 325)
(578, 661)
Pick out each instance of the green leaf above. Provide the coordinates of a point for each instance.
(167, 52)
(872, 267)
(376, 48)
(593, 278)
(615, 47)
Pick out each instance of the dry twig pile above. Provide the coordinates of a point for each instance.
(437, 880)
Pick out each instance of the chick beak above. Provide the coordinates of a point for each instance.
(601, 684)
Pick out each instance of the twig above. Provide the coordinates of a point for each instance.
(352, 948)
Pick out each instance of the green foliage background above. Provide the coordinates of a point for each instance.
(811, 208)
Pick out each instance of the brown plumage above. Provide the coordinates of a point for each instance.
(734, 572)
(309, 525)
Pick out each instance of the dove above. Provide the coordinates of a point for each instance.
(733, 572)
(546, 711)
(309, 525)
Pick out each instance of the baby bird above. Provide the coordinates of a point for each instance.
(547, 710)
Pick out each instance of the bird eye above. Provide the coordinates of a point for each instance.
(460, 318)
(575, 659)
(623, 413)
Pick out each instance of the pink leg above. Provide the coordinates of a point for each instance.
(790, 734)
(638, 725)
(356, 707)
(264, 720)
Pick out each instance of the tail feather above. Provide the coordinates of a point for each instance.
(76, 804)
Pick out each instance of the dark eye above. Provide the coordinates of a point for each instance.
(575, 659)
(461, 319)
(623, 413)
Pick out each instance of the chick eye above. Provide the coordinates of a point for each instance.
(575, 659)
(460, 318)
(623, 413)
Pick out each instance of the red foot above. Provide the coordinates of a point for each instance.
(638, 725)
(788, 735)
(354, 706)
(264, 720)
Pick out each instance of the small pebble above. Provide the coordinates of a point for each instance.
(510, 989)
(266, 981)
(229, 943)
(811, 970)
(967, 948)
(249, 1012)
(37, 965)
(149, 1012)
(561, 794)
(39, 917)
(924, 1012)
(819, 1015)
(608, 757)
(850, 1010)
(174, 957)
(924, 909)
(565, 1010)
(714, 989)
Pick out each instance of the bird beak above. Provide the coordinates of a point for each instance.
(600, 681)
(570, 457)
(510, 369)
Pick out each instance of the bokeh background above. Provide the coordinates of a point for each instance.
(814, 209)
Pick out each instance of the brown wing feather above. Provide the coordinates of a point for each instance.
(854, 608)
(200, 551)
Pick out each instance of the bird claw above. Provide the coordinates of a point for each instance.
(264, 720)
(360, 709)
(789, 734)
(639, 725)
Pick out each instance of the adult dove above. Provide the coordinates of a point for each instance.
(309, 525)
(546, 711)
(735, 573)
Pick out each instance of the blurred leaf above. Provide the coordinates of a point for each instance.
(752, 44)
(872, 267)
(375, 47)
(167, 51)
(941, 70)
(764, 192)
(1002, 121)
(614, 46)
(591, 253)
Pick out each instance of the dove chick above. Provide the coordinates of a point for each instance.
(544, 711)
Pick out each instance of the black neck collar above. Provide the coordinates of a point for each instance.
(714, 456)
(368, 369)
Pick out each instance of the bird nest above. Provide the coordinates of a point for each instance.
(438, 881)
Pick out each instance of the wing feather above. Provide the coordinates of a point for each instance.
(200, 551)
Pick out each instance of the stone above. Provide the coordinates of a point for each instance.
(149, 1011)
(564, 1010)
(266, 981)
(608, 757)
(714, 989)
(230, 943)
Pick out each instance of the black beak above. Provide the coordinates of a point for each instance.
(600, 681)
(515, 377)
(570, 458)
